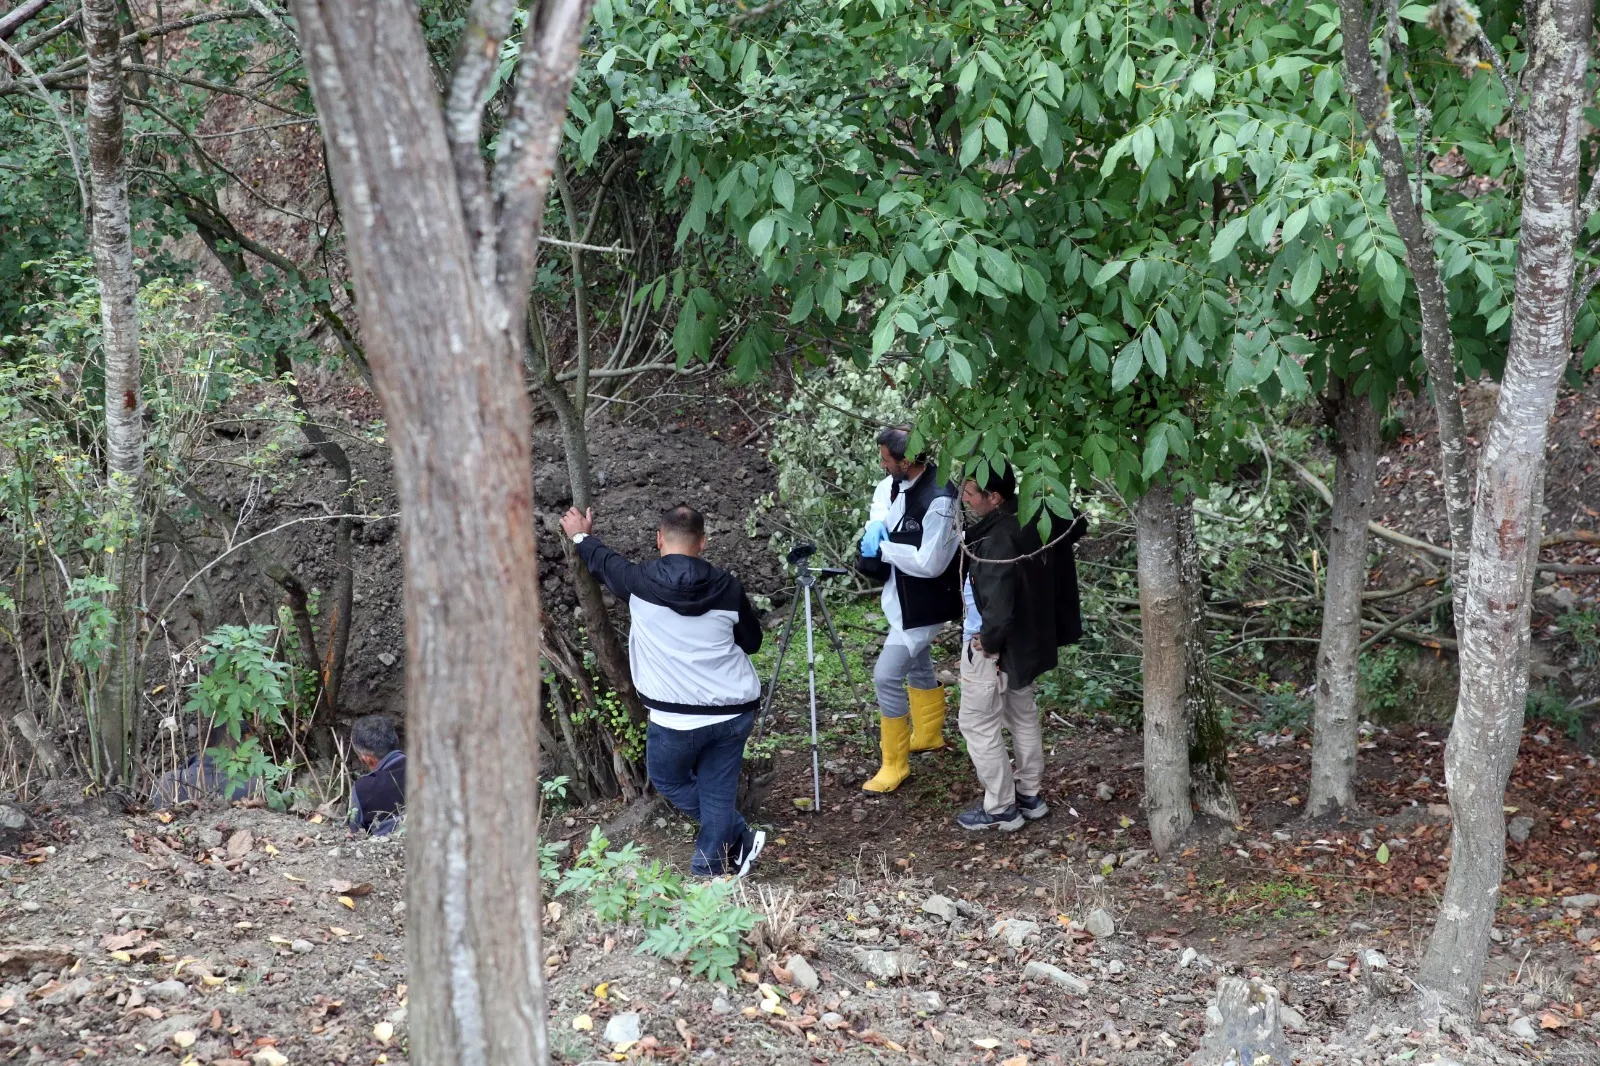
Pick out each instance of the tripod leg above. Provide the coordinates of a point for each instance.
(811, 671)
(783, 651)
(844, 661)
(839, 649)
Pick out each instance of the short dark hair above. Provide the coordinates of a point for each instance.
(683, 523)
(1001, 479)
(897, 439)
(375, 734)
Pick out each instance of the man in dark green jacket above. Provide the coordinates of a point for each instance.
(1021, 606)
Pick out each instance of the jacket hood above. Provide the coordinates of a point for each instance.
(690, 585)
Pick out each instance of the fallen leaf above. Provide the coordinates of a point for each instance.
(987, 1043)
(601, 989)
(122, 956)
(270, 1056)
(383, 1032)
(350, 888)
(683, 1031)
(1383, 854)
(1015, 1060)
(270, 850)
(240, 844)
(624, 1045)
(184, 1038)
(212, 980)
(296, 880)
(336, 931)
(1551, 1020)
(120, 941)
(348, 902)
(315, 819)
(583, 1023)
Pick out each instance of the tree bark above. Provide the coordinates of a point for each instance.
(1161, 612)
(1210, 782)
(1371, 93)
(1333, 742)
(1493, 625)
(441, 257)
(112, 243)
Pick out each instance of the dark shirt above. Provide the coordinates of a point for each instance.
(379, 798)
(197, 780)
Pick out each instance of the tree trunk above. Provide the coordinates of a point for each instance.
(1493, 626)
(1210, 781)
(441, 258)
(1371, 94)
(1333, 742)
(1161, 613)
(112, 242)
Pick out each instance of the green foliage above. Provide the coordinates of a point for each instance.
(697, 922)
(244, 685)
(1385, 684)
(1548, 705)
(1582, 628)
(825, 451)
(1286, 709)
(620, 885)
(706, 930)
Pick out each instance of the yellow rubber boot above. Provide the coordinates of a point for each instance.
(927, 718)
(895, 737)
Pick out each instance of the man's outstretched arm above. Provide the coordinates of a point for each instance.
(613, 570)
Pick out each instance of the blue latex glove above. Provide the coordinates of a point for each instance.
(875, 535)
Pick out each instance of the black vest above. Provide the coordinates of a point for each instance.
(924, 601)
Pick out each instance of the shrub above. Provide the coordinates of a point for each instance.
(706, 930)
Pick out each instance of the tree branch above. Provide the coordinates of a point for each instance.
(531, 140)
(1438, 344)
(477, 56)
(66, 130)
(13, 20)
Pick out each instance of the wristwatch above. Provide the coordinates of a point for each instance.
(577, 538)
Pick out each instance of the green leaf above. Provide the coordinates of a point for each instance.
(964, 269)
(1306, 277)
(783, 188)
(1155, 453)
(761, 234)
(1155, 352)
(1203, 82)
(971, 145)
(960, 369)
(999, 265)
(1127, 366)
(1224, 242)
(1038, 124)
(1383, 854)
(995, 130)
(1295, 223)
(802, 304)
(1107, 272)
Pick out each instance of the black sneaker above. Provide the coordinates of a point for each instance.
(749, 848)
(1032, 807)
(1007, 821)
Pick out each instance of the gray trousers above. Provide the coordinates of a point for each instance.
(898, 664)
(987, 707)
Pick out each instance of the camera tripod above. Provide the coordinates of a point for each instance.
(806, 581)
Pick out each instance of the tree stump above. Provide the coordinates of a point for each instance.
(1243, 1027)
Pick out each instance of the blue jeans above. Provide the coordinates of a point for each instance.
(698, 771)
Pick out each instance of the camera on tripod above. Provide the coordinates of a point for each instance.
(800, 558)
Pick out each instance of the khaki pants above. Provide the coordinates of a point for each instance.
(987, 707)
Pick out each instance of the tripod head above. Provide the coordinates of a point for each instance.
(799, 557)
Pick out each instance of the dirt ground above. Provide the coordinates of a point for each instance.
(232, 935)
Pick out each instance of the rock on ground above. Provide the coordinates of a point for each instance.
(625, 1028)
(1043, 971)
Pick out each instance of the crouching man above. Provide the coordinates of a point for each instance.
(378, 799)
(689, 650)
(1022, 604)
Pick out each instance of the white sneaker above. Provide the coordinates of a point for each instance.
(752, 848)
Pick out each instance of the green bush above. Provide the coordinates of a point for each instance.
(695, 922)
(706, 930)
(1387, 689)
(243, 685)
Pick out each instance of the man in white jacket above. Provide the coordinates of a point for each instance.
(912, 548)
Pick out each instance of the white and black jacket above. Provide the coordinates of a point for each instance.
(693, 631)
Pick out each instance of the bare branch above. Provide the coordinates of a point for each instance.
(216, 87)
(12, 20)
(559, 243)
(33, 44)
(531, 140)
(1405, 208)
(488, 25)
